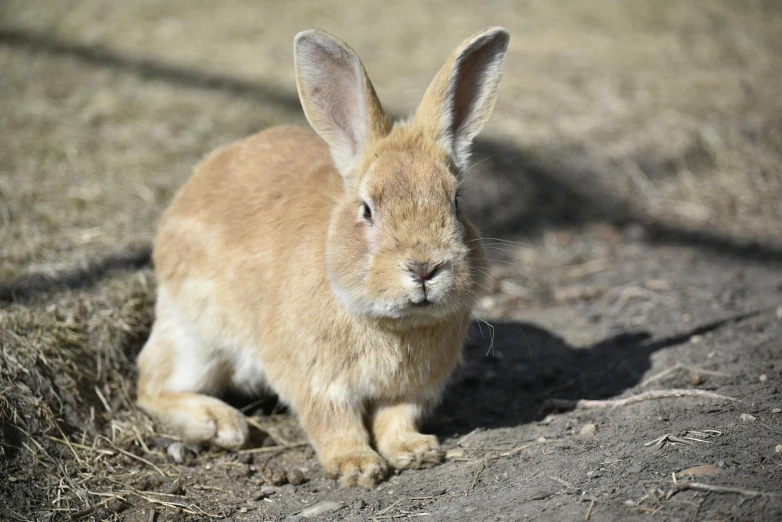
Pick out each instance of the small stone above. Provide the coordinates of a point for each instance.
(695, 339)
(275, 476)
(359, 504)
(779, 312)
(778, 449)
(296, 477)
(589, 430)
(763, 377)
(173, 488)
(266, 491)
(242, 472)
(243, 510)
(696, 378)
(776, 410)
(746, 417)
(454, 453)
(115, 505)
(287, 489)
(326, 506)
(438, 492)
(176, 450)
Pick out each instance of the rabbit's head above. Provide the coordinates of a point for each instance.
(398, 244)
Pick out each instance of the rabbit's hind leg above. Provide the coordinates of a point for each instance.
(177, 373)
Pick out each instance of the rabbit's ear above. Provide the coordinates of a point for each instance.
(338, 98)
(461, 97)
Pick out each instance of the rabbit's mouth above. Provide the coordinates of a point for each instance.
(421, 304)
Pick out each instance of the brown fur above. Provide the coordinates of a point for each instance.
(271, 276)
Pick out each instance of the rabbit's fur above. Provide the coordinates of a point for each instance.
(336, 271)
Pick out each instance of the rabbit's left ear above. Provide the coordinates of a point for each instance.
(337, 97)
(461, 97)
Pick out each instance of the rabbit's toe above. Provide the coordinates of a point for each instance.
(414, 451)
(232, 429)
(210, 420)
(365, 469)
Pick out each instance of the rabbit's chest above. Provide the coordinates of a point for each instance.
(396, 368)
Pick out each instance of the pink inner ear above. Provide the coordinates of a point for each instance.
(470, 77)
(332, 81)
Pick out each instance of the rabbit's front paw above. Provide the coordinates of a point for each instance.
(201, 419)
(362, 468)
(414, 451)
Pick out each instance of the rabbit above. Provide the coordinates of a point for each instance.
(335, 270)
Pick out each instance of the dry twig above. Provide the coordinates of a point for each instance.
(589, 511)
(679, 366)
(699, 486)
(481, 467)
(564, 483)
(588, 404)
(271, 449)
(271, 432)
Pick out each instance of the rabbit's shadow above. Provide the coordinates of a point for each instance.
(507, 380)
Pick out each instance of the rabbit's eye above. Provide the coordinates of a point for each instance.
(366, 212)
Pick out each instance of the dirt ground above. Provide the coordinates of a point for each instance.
(629, 184)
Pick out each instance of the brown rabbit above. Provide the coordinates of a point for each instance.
(336, 271)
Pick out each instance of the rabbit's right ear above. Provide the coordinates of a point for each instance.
(461, 97)
(337, 97)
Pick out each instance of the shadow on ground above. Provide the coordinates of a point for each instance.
(513, 369)
(81, 275)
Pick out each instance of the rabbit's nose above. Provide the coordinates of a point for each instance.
(422, 272)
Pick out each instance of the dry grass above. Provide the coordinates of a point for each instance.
(676, 108)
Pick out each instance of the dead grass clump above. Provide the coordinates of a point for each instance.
(66, 389)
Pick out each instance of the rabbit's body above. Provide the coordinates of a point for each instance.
(227, 259)
(275, 273)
